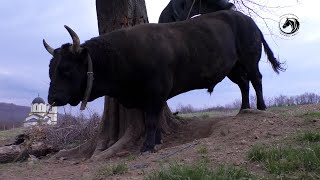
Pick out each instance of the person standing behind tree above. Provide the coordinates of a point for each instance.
(179, 10)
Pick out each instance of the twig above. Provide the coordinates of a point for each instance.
(179, 150)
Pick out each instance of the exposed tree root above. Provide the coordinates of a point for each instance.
(124, 142)
(84, 150)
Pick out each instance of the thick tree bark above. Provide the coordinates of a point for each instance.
(121, 128)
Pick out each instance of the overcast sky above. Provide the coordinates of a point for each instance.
(24, 62)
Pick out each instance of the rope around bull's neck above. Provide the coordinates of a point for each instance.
(191, 9)
(89, 84)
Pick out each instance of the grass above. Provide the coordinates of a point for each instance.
(10, 134)
(281, 108)
(106, 171)
(132, 157)
(202, 149)
(312, 115)
(311, 136)
(289, 162)
(204, 115)
(199, 172)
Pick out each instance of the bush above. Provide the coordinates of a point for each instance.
(72, 131)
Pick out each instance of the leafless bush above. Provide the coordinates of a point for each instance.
(277, 101)
(72, 130)
(185, 109)
(283, 100)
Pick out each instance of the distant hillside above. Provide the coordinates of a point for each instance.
(12, 115)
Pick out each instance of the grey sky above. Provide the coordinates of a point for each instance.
(24, 62)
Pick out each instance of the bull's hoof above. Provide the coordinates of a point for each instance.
(159, 141)
(147, 148)
(157, 147)
(262, 108)
(251, 111)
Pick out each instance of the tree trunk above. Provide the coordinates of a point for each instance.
(121, 128)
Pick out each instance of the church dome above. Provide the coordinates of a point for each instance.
(38, 100)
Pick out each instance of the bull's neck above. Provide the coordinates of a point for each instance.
(104, 70)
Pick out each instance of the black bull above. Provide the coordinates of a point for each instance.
(145, 65)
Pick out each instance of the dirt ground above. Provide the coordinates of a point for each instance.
(227, 139)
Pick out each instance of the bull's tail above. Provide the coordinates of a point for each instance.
(276, 65)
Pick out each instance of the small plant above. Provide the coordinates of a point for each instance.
(132, 157)
(257, 153)
(202, 149)
(111, 170)
(205, 116)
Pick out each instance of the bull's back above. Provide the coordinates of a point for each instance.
(179, 56)
(244, 28)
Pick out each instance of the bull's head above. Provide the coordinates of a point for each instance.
(68, 71)
(184, 9)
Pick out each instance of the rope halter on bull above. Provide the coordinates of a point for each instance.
(76, 49)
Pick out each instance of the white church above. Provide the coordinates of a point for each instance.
(41, 113)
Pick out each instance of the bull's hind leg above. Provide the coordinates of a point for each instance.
(239, 76)
(257, 85)
(255, 77)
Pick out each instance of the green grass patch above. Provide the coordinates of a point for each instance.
(312, 115)
(281, 108)
(132, 157)
(204, 115)
(200, 172)
(311, 136)
(106, 171)
(300, 162)
(9, 135)
(202, 149)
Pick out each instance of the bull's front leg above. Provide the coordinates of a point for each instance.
(158, 136)
(151, 126)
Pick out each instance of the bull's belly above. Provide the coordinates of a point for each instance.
(190, 84)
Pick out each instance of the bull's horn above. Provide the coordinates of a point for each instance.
(75, 39)
(48, 47)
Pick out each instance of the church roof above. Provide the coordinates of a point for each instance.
(36, 117)
(38, 100)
